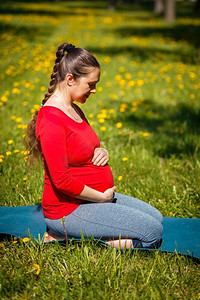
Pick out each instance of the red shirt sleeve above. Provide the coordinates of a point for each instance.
(52, 136)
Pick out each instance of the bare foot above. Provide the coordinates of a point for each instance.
(51, 236)
(122, 244)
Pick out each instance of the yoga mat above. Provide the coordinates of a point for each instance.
(179, 234)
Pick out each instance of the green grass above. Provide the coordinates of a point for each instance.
(148, 103)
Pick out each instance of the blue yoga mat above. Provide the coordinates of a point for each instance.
(180, 234)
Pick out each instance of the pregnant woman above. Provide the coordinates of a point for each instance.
(78, 182)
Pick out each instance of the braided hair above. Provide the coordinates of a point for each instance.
(69, 59)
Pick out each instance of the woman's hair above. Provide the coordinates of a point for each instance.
(69, 59)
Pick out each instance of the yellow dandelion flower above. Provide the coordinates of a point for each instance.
(4, 99)
(131, 83)
(128, 76)
(15, 84)
(2, 245)
(124, 158)
(37, 267)
(192, 96)
(118, 77)
(8, 153)
(119, 125)
(145, 134)
(122, 109)
(119, 178)
(103, 128)
(16, 151)
(26, 239)
(13, 117)
(25, 103)
(16, 91)
(36, 106)
(111, 111)
(181, 86)
(100, 89)
(1, 160)
(122, 69)
(1, 156)
(140, 82)
(42, 88)
(24, 178)
(114, 96)
(10, 142)
(18, 120)
(133, 109)
(90, 115)
(101, 120)
(15, 242)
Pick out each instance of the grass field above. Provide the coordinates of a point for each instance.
(146, 113)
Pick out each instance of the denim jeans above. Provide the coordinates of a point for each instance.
(125, 217)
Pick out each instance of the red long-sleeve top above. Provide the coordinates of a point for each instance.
(67, 148)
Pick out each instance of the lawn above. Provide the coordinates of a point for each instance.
(147, 114)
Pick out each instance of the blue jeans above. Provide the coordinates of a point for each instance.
(125, 217)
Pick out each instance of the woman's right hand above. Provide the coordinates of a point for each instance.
(108, 195)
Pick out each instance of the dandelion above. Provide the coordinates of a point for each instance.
(101, 120)
(2, 245)
(192, 96)
(103, 128)
(16, 91)
(26, 239)
(124, 158)
(100, 89)
(91, 115)
(111, 111)
(25, 103)
(18, 120)
(1, 160)
(8, 153)
(10, 142)
(13, 117)
(24, 178)
(145, 134)
(37, 267)
(120, 178)
(119, 125)
(122, 69)
(4, 99)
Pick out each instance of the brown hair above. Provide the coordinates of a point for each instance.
(78, 62)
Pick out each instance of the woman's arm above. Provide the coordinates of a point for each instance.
(92, 195)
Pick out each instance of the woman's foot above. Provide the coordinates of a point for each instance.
(121, 244)
(51, 236)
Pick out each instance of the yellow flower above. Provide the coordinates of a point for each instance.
(118, 77)
(26, 239)
(1, 156)
(111, 111)
(101, 120)
(24, 178)
(119, 178)
(181, 86)
(128, 76)
(16, 91)
(4, 99)
(131, 83)
(124, 158)
(2, 245)
(15, 242)
(90, 115)
(8, 153)
(145, 134)
(122, 69)
(103, 128)
(13, 117)
(140, 82)
(1, 160)
(100, 89)
(37, 267)
(18, 120)
(192, 96)
(10, 142)
(42, 88)
(25, 103)
(119, 125)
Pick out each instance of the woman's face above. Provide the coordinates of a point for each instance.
(84, 86)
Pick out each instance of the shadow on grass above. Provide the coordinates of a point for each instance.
(176, 129)
(30, 33)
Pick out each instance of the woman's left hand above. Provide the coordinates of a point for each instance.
(100, 157)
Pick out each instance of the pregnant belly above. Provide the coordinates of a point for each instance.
(98, 178)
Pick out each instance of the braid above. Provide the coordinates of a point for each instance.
(55, 74)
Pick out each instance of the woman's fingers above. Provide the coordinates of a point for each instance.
(100, 157)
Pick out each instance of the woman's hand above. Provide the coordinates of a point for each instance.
(100, 157)
(109, 195)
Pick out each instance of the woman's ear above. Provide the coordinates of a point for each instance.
(69, 79)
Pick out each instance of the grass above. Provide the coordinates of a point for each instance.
(146, 113)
